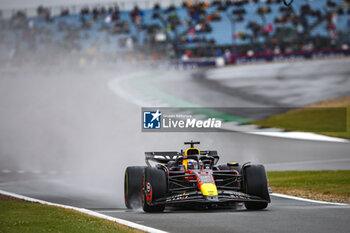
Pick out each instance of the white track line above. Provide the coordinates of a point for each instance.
(307, 200)
(301, 136)
(85, 211)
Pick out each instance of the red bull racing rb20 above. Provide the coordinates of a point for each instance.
(192, 178)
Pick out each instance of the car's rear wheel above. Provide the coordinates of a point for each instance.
(255, 184)
(133, 186)
(154, 186)
(235, 167)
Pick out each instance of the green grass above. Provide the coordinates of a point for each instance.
(26, 217)
(325, 182)
(327, 121)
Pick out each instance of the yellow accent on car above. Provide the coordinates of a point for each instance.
(191, 149)
(209, 189)
(185, 162)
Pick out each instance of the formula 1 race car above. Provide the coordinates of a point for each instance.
(193, 178)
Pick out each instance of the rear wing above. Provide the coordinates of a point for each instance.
(162, 157)
(166, 156)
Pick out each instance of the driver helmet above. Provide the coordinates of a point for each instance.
(192, 164)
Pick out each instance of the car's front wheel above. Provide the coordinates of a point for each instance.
(255, 184)
(154, 186)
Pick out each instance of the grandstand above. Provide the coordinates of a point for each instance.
(181, 30)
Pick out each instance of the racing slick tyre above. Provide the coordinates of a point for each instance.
(133, 186)
(154, 186)
(255, 184)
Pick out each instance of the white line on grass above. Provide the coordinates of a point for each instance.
(307, 200)
(86, 211)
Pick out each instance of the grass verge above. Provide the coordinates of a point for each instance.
(26, 217)
(331, 118)
(331, 186)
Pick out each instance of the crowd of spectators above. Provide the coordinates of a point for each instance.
(290, 24)
(92, 29)
(289, 33)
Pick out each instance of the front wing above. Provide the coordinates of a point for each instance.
(197, 197)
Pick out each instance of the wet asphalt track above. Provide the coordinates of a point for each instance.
(67, 148)
(283, 216)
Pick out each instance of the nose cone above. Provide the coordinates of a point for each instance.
(209, 189)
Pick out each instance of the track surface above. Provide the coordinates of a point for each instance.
(67, 138)
(283, 215)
